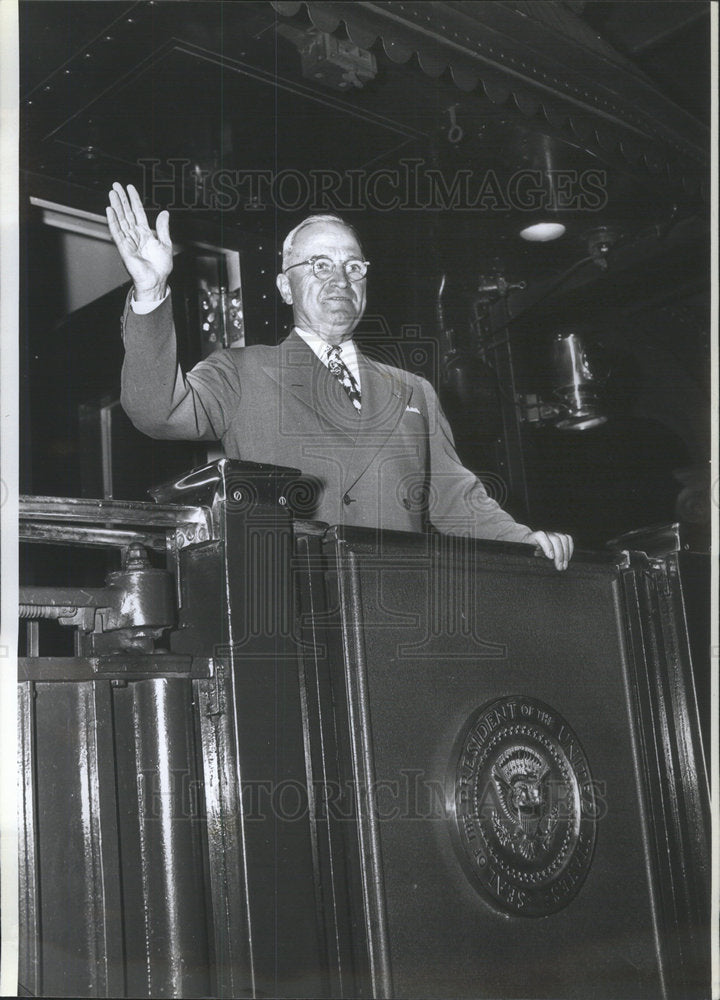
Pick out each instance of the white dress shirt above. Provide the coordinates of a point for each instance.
(143, 308)
(319, 348)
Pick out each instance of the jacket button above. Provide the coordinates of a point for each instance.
(347, 500)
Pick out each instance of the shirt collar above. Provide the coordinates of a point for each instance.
(319, 347)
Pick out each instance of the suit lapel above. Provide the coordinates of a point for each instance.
(303, 378)
(384, 399)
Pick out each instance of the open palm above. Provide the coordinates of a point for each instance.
(147, 255)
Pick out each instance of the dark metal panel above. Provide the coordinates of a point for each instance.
(30, 961)
(227, 858)
(105, 831)
(340, 910)
(110, 667)
(675, 780)
(267, 750)
(135, 958)
(80, 920)
(359, 722)
(542, 64)
(516, 50)
(695, 577)
(580, 642)
(175, 925)
(213, 826)
(112, 865)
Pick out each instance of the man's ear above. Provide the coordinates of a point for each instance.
(284, 288)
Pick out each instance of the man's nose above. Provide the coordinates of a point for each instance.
(339, 277)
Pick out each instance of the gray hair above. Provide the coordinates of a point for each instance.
(289, 241)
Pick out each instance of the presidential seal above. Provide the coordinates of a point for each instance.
(523, 806)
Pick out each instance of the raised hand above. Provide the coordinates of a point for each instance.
(555, 546)
(147, 255)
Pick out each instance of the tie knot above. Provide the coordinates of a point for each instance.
(338, 368)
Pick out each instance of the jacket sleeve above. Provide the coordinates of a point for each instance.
(458, 503)
(158, 398)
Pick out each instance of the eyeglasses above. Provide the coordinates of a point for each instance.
(323, 267)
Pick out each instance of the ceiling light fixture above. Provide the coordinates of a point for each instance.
(543, 232)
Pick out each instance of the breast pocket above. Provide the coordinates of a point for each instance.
(413, 423)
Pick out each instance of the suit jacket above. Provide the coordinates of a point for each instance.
(393, 465)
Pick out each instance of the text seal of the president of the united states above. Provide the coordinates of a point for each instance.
(524, 806)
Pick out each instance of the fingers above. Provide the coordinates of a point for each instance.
(124, 242)
(113, 224)
(137, 206)
(148, 257)
(129, 212)
(544, 544)
(162, 227)
(555, 546)
(127, 219)
(121, 205)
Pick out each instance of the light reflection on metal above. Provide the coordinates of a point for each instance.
(70, 534)
(575, 385)
(106, 512)
(496, 286)
(221, 315)
(105, 523)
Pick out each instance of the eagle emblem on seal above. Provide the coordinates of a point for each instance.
(526, 817)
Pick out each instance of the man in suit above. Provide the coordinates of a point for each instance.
(371, 438)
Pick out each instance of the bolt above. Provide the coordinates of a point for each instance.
(135, 558)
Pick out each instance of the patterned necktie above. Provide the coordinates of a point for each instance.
(338, 368)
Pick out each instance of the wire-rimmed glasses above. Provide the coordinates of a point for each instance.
(323, 267)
